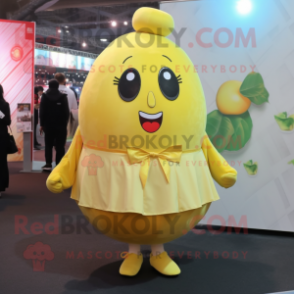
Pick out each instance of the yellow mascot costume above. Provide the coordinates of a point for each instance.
(141, 166)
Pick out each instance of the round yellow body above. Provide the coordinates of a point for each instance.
(139, 229)
(109, 122)
(229, 100)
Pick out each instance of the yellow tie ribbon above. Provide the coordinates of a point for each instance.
(137, 155)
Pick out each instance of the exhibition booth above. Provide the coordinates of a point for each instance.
(17, 76)
(223, 49)
(75, 65)
(33, 64)
(185, 128)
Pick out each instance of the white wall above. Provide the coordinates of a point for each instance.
(267, 199)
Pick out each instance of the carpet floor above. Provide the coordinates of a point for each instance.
(71, 257)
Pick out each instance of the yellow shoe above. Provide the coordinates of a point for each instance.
(131, 265)
(164, 264)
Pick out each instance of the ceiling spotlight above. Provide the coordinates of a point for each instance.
(59, 31)
(244, 6)
(103, 40)
(84, 44)
(113, 23)
(125, 23)
(67, 31)
(66, 27)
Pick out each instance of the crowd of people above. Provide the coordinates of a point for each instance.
(55, 107)
(52, 111)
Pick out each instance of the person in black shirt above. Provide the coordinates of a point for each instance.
(54, 115)
(4, 122)
(37, 93)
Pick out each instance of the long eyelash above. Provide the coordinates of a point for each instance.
(179, 79)
(116, 81)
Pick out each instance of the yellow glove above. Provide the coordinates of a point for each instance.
(221, 171)
(54, 183)
(228, 180)
(64, 175)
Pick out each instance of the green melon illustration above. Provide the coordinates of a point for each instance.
(230, 126)
(285, 123)
(251, 167)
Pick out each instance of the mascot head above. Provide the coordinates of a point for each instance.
(143, 91)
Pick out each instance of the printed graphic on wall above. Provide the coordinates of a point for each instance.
(251, 167)
(24, 118)
(229, 127)
(284, 122)
(17, 71)
(246, 66)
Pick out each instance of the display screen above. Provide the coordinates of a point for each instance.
(57, 59)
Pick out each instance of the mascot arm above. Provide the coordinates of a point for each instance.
(63, 176)
(221, 171)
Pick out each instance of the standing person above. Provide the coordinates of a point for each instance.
(38, 93)
(72, 101)
(75, 92)
(54, 115)
(5, 121)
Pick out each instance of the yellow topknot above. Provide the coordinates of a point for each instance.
(153, 21)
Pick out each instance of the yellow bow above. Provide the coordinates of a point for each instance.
(137, 155)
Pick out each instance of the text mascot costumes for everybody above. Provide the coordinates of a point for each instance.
(141, 157)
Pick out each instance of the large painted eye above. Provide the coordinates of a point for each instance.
(168, 83)
(129, 85)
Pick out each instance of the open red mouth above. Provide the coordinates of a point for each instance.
(150, 122)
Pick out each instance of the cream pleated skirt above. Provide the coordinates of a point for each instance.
(107, 181)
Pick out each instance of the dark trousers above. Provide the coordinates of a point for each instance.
(4, 173)
(36, 120)
(55, 137)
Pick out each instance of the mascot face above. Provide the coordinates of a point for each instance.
(143, 91)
